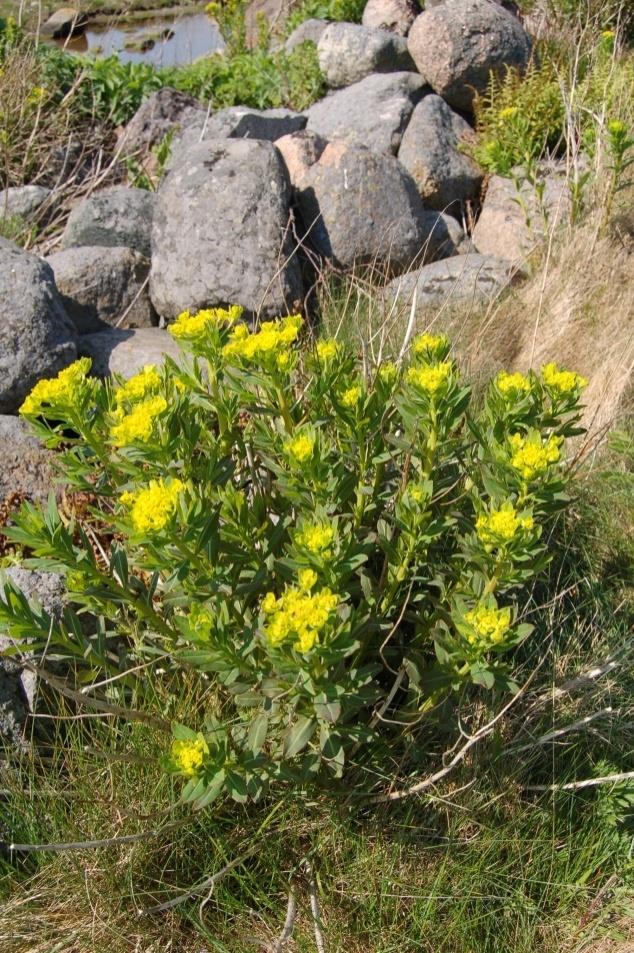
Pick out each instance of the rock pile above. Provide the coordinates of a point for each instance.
(376, 173)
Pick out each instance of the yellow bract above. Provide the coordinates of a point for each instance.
(152, 507)
(562, 382)
(531, 457)
(299, 449)
(502, 525)
(188, 756)
(316, 538)
(512, 385)
(490, 625)
(137, 426)
(195, 327)
(351, 397)
(273, 339)
(297, 615)
(62, 391)
(430, 380)
(147, 381)
(327, 350)
(508, 113)
(388, 373)
(430, 345)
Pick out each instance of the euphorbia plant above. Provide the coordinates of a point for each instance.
(300, 534)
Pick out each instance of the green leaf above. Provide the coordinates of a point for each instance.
(298, 736)
(214, 787)
(481, 674)
(182, 732)
(257, 733)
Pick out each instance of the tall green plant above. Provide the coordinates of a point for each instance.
(318, 544)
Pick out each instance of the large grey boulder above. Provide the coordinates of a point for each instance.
(221, 232)
(469, 277)
(347, 52)
(26, 466)
(166, 111)
(457, 45)
(373, 112)
(396, 16)
(104, 285)
(514, 219)
(117, 351)
(432, 151)
(310, 31)
(360, 208)
(114, 216)
(23, 200)
(238, 122)
(37, 338)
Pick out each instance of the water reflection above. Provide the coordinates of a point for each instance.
(161, 42)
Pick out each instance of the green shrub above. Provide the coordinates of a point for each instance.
(519, 118)
(348, 10)
(318, 545)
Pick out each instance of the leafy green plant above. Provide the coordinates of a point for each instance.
(348, 10)
(518, 119)
(318, 545)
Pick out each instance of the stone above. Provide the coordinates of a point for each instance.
(117, 351)
(457, 45)
(26, 466)
(237, 122)
(167, 111)
(114, 216)
(361, 208)
(104, 286)
(310, 31)
(513, 220)
(471, 276)
(300, 150)
(507, 4)
(23, 200)
(373, 112)
(37, 338)
(396, 16)
(67, 21)
(432, 154)
(347, 52)
(221, 232)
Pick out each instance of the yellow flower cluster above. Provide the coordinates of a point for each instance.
(138, 424)
(299, 615)
(562, 383)
(200, 620)
(327, 350)
(351, 397)
(502, 525)
(152, 507)
(188, 756)
(512, 385)
(510, 112)
(489, 625)
(388, 373)
(269, 343)
(417, 493)
(147, 381)
(61, 391)
(195, 327)
(430, 345)
(431, 380)
(316, 538)
(299, 449)
(531, 456)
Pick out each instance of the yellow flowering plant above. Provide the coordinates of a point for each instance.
(294, 533)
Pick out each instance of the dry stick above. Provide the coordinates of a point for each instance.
(458, 757)
(207, 884)
(410, 328)
(289, 922)
(575, 726)
(577, 785)
(60, 846)
(315, 909)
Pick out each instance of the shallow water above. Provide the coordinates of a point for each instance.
(175, 40)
